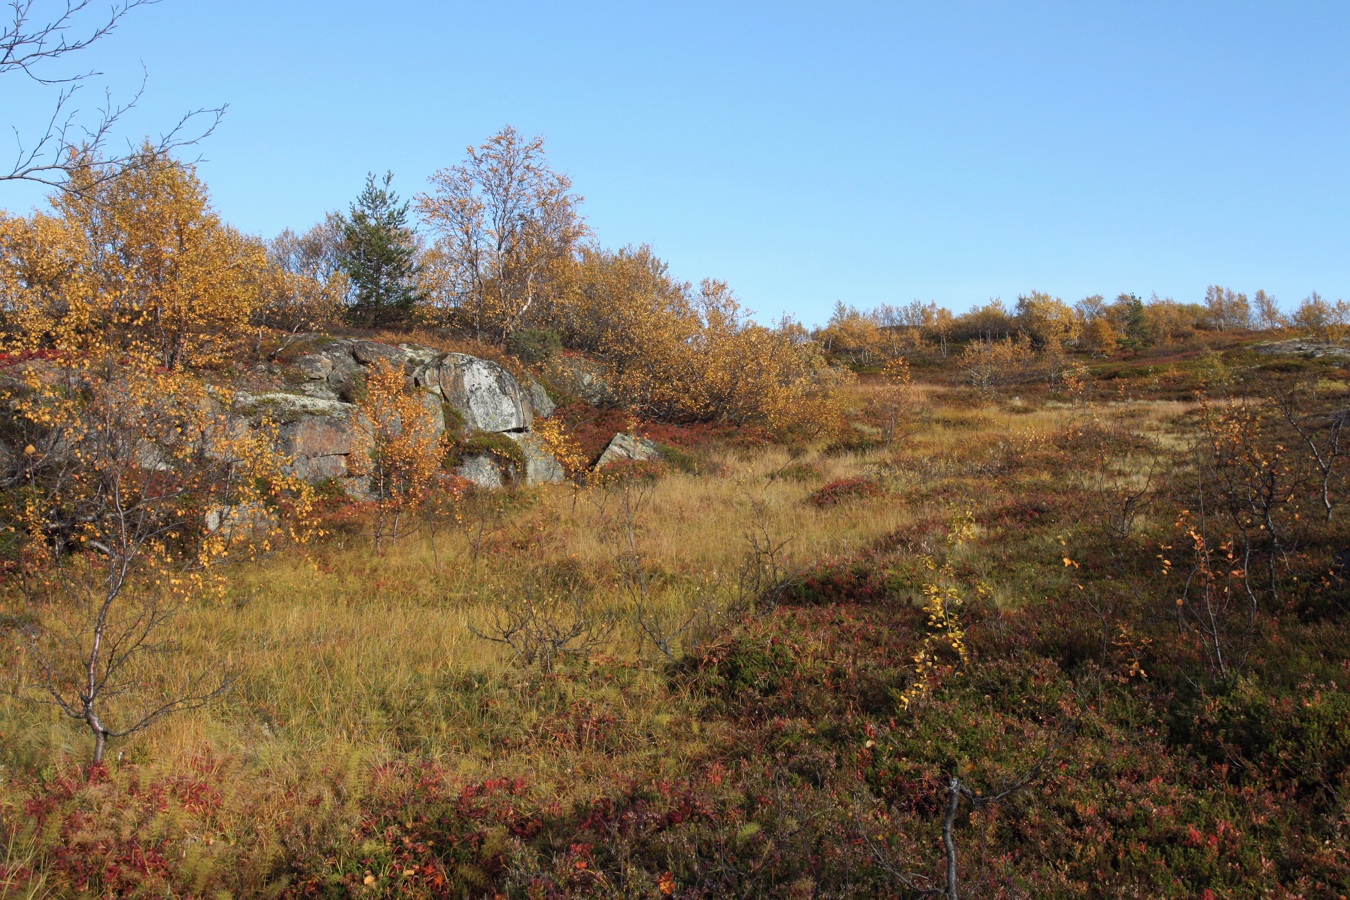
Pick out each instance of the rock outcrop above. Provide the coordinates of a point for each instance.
(540, 465)
(483, 470)
(486, 395)
(1307, 349)
(628, 448)
(320, 425)
(539, 399)
(318, 434)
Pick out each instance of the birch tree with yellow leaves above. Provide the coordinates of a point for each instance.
(677, 354)
(507, 230)
(402, 452)
(135, 262)
(125, 484)
(133, 489)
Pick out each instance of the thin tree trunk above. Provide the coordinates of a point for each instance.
(948, 838)
(100, 733)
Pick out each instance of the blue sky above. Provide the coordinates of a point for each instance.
(804, 152)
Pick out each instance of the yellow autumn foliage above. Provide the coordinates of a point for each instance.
(119, 439)
(507, 229)
(682, 355)
(864, 338)
(135, 487)
(510, 254)
(1007, 361)
(1098, 337)
(944, 643)
(401, 454)
(130, 261)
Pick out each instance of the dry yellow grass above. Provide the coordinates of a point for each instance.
(351, 664)
(345, 657)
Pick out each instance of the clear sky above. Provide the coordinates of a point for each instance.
(804, 152)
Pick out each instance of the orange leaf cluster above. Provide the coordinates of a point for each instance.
(131, 261)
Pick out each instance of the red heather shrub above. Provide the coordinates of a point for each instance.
(592, 428)
(840, 582)
(844, 490)
(23, 356)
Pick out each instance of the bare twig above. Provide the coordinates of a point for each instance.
(67, 143)
(541, 630)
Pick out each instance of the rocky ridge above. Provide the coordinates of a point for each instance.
(311, 397)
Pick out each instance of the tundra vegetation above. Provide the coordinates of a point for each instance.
(1036, 600)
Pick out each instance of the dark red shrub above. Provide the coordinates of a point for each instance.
(844, 490)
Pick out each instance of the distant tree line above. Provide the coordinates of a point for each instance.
(1046, 323)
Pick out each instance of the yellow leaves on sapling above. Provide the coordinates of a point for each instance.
(941, 602)
(402, 451)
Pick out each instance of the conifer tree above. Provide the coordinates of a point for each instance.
(1135, 320)
(380, 256)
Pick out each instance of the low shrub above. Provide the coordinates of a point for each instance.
(681, 460)
(852, 442)
(535, 345)
(798, 472)
(845, 490)
(841, 583)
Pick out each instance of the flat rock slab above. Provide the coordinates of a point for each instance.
(628, 448)
(1309, 349)
(283, 408)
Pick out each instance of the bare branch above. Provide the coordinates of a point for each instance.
(65, 145)
(27, 45)
(912, 881)
(542, 629)
(194, 700)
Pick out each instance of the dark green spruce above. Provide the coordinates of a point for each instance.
(380, 255)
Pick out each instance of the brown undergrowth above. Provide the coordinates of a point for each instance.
(745, 717)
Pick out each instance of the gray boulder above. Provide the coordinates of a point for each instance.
(329, 371)
(368, 353)
(488, 396)
(539, 399)
(483, 470)
(314, 366)
(541, 467)
(628, 448)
